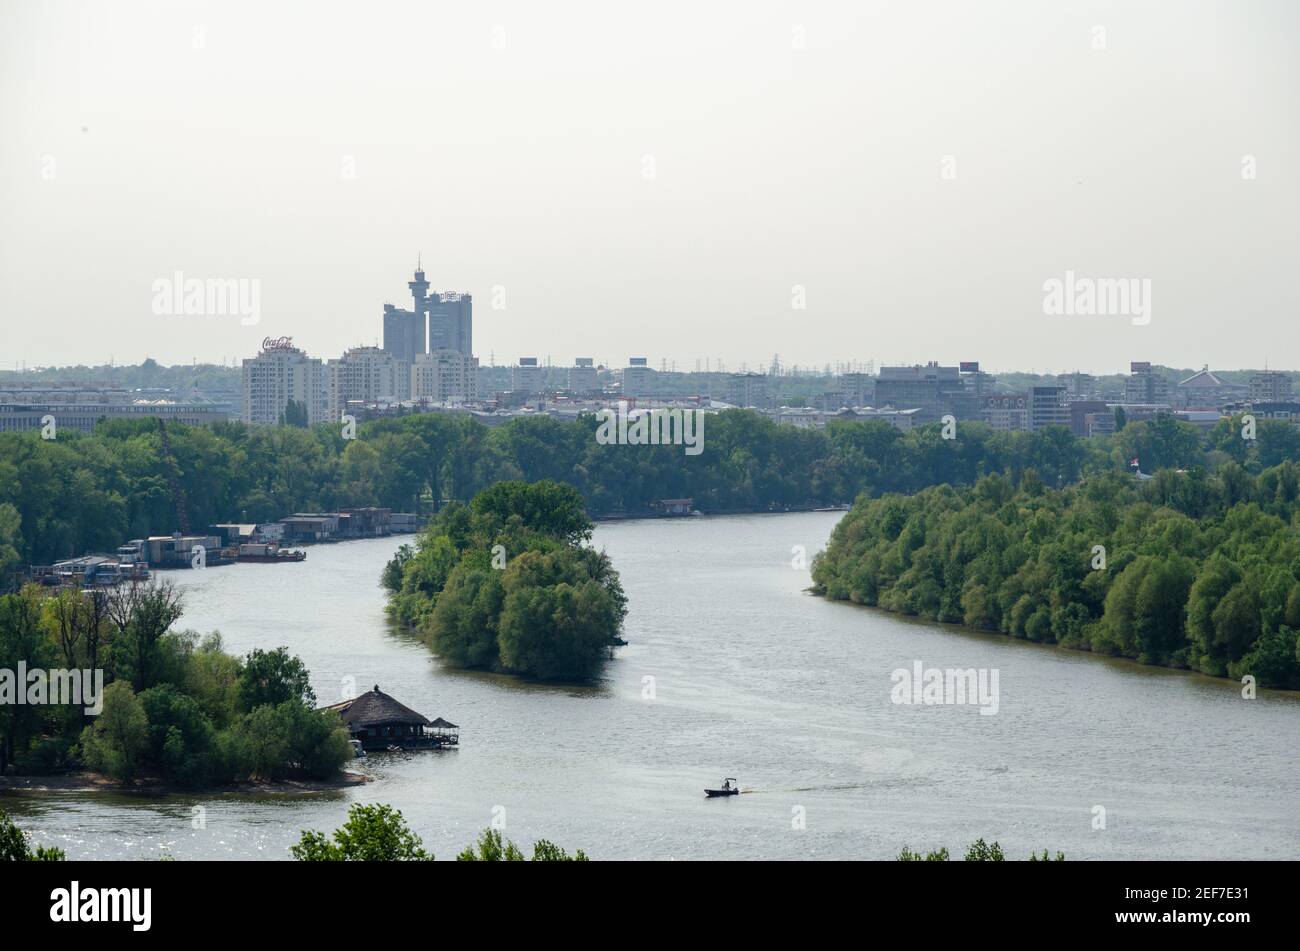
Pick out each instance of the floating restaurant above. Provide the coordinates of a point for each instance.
(381, 723)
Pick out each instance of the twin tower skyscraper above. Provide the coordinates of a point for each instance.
(443, 320)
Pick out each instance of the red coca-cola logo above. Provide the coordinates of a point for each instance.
(277, 343)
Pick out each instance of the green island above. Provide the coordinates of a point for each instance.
(1190, 569)
(176, 709)
(507, 583)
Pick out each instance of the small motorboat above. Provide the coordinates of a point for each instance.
(729, 788)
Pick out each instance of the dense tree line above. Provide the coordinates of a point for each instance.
(508, 583)
(174, 704)
(1189, 569)
(89, 492)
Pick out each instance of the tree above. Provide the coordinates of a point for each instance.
(375, 833)
(938, 855)
(272, 677)
(142, 613)
(981, 851)
(463, 627)
(118, 741)
(10, 538)
(546, 851)
(493, 847)
(22, 641)
(14, 847)
(295, 414)
(556, 623)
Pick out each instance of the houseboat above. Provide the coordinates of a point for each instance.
(268, 553)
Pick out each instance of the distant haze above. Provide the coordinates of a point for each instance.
(662, 180)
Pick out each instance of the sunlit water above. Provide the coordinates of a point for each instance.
(751, 678)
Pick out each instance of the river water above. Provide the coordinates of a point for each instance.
(751, 678)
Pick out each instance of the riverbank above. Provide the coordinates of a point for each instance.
(733, 671)
(1114, 660)
(99, 783)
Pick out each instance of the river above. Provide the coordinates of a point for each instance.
(752, 678)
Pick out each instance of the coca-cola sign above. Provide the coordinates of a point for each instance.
(277, 343)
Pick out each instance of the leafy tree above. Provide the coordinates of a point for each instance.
(491, 847)
(118, 741)
(273, 677)
(981, 851)
(546, 851)
(938, 855)
(375, 833)
(14, 847)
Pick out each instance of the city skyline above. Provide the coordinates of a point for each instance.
(877, 181)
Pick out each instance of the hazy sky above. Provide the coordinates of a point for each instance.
(656, 179)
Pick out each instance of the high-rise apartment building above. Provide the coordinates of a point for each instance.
(403, 333)
(451, 322)
(279, 373)
(443, 320)
(369, 375)
(444, 376)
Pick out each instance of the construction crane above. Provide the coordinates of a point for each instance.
(173, 479)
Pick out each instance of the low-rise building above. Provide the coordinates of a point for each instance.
(1007, 412)
(84, 417)
(1205, 389)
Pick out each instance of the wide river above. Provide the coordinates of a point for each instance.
(732, 670)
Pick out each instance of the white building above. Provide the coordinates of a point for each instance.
(280, 373)
(444, 376)
(366, 374)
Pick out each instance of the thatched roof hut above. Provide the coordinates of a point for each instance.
(379, 721)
